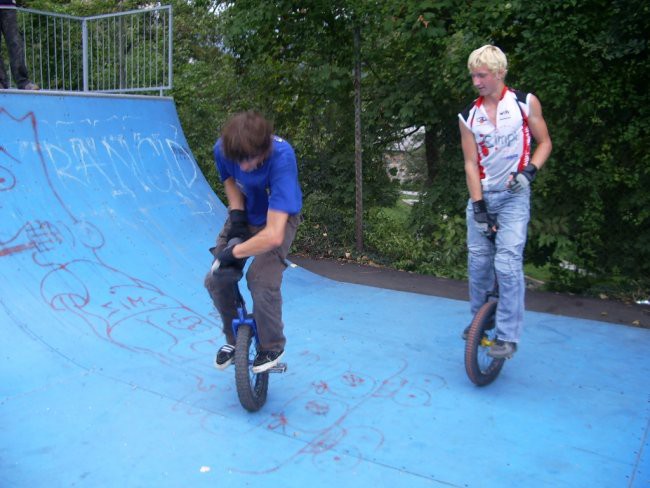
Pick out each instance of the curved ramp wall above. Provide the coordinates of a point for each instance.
(105, 217)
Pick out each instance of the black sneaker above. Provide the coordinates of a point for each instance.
(265, 360)
(225, 355)
(502, 349)
(466, 330)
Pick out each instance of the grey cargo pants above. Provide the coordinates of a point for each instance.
(264, 278)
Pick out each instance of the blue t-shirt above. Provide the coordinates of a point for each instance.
(274, 185)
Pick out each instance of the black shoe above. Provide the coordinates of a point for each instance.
(502, 349)
(466, 330)
(265, 360)
(225, 355)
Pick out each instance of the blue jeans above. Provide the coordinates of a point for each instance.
(502, 259)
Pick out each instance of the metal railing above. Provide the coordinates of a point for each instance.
(114, 53)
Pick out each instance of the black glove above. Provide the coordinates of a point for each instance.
(492, 228)
(486, 222)
(227, 260)
(522, 179)
(238, 225)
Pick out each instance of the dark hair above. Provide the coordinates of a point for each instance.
(246, 135)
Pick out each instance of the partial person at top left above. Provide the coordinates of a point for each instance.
(9, 30)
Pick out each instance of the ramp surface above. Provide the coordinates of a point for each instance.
(107, 339)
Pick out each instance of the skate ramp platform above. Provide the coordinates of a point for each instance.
(107, 339)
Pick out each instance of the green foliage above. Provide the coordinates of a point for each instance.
(441, 252)
(606, 170)
(84, 8)
(327, 229)
(439, 219)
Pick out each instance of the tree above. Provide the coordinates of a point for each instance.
(586, 62)
(298, 63)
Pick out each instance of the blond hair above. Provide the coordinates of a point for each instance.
(490, 56)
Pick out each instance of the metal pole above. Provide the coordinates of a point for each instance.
(84, 52)
(358, 167)
(170, 62)
(121, 54)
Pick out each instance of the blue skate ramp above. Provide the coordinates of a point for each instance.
(108, 336)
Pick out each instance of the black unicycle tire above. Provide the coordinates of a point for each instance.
(251, 387)
(481, 368)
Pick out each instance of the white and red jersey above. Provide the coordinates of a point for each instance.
(503, 148)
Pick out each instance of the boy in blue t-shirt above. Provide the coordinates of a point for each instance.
(260, 176)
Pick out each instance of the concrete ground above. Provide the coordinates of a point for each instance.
(604, 310)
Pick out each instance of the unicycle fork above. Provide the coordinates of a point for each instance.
(252, 387)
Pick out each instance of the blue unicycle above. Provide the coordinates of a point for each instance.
(252, 387)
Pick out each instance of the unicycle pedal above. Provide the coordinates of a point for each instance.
(278, 368)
